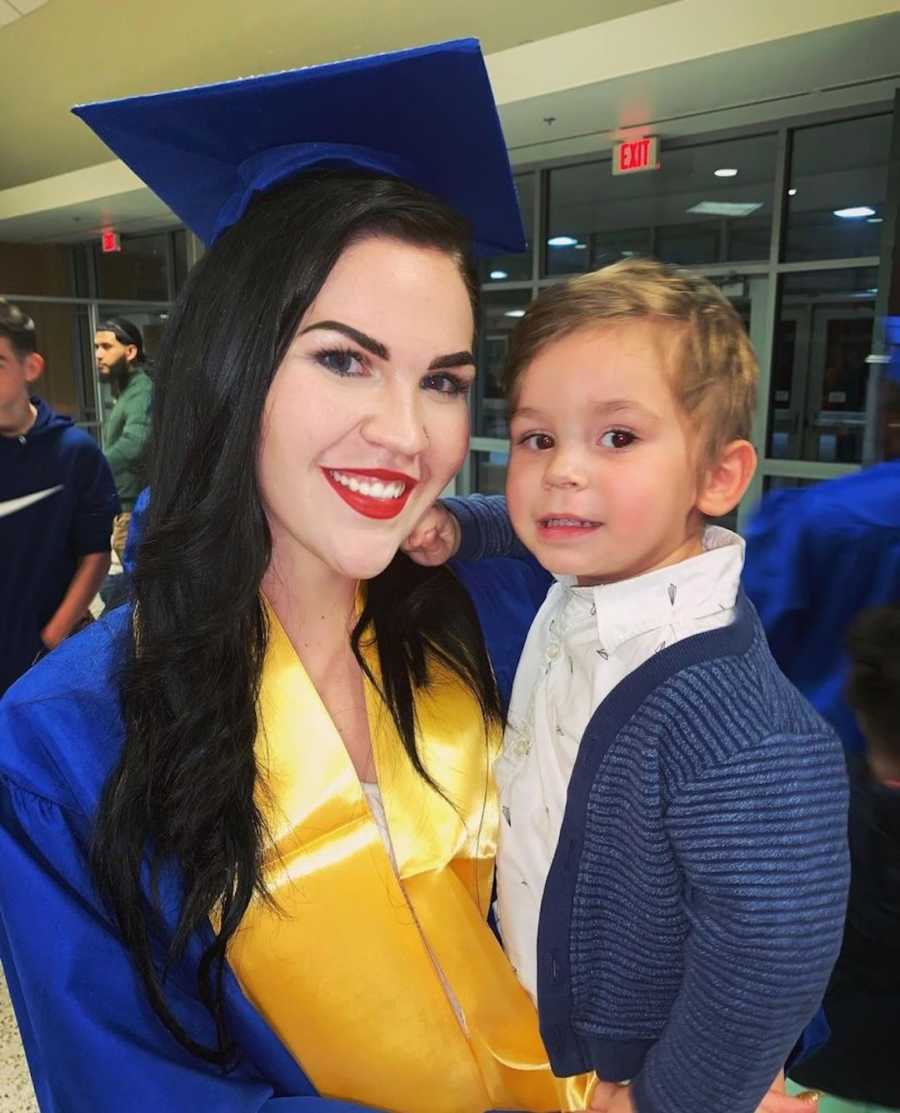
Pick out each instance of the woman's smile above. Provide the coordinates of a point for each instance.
(374, 492)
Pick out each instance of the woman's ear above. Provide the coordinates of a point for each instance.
(726, 480)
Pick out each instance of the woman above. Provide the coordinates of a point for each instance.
(249, 725)
(282, 757)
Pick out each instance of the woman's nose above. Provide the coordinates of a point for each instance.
(397, 422)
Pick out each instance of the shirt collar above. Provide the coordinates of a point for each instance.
(692, 589)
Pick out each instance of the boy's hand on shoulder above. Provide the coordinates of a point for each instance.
(435, 538)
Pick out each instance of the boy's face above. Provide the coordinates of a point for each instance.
(16, 374)
(603, 479)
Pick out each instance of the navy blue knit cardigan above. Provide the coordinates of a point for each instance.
(695, 904)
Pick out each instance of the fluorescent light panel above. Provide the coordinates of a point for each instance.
(725, 208)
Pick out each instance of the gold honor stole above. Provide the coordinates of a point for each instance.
(350, 968)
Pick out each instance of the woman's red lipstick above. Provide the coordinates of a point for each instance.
(379, 493)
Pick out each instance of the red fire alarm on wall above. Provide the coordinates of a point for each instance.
(109, 241)
(634, 155)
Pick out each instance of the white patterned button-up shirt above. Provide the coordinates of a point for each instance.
(582, 643)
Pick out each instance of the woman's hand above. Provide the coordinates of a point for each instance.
(610, 1097)
(435, 538)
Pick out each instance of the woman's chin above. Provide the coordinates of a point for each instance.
(368, 564)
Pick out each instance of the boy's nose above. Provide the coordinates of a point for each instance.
(565, 470)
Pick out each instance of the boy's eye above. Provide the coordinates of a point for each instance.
(617, 438)
(444, 382)
(341, 361)
(538, 441)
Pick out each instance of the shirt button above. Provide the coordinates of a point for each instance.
(552, 651)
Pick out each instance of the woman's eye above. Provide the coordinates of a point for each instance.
(446, 383)
(538, 441)
(341, 361)
(617, 438)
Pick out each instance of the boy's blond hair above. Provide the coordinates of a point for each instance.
(714, 370)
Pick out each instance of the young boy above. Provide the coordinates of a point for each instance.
(57, 502)
(672, 864)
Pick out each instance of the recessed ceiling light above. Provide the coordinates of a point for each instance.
(514, 313)
(875, 220)
(499, 274)
(792, 193)
(854, 212)
(726, 208)
(725, 172)
(581, 247)
(562, 241)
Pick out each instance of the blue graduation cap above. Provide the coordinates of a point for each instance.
(425, 115)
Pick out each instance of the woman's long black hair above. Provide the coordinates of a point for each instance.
(183, 792)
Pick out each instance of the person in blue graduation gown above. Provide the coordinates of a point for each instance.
(817, 557)
(282, 751)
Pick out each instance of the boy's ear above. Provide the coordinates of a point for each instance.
(726, 480)
(34, 367)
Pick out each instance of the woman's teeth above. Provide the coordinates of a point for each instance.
(568, 523)
(371, 488)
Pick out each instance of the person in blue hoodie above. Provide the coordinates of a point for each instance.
(57, 502)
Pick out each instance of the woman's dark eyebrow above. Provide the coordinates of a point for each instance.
(439, 363)
(364, 341)
(455, 359)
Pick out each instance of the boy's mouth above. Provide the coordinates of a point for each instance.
(558, 527)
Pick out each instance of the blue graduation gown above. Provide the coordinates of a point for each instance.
(816, 557)
(92, 1040)
(93, 1043)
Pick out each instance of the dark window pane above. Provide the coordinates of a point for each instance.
(179, 247)
(489, 472)
(42, 269)
(682, 213)
(500, 312)
(785, 482)
(139, 272)
(834, 168)
(514, 268)
(823, 337)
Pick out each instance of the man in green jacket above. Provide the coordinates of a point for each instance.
(119, 348)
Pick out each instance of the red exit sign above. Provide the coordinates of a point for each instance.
(634, 155)
(109, 241)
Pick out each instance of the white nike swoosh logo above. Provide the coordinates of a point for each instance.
(11, 506)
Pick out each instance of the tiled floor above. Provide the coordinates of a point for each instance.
(16, 1094)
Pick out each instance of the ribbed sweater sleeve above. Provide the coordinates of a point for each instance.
(485, 528)
(760, 836)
